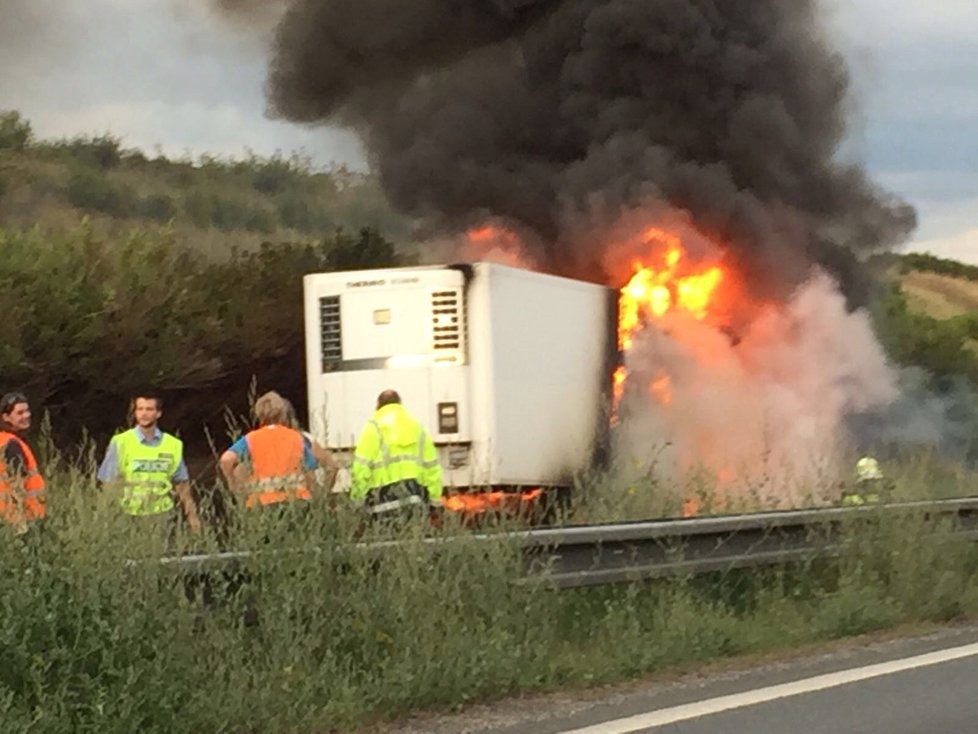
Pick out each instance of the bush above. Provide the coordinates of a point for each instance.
(91, 319)
(198, 205)
(92, 190)
(15, 132)
(916, 339)
(299, 213)
(276, 174)
(229, 213)
(262, 220)
(358, 253)
(933, 264)
(101, 151)
(158, 207)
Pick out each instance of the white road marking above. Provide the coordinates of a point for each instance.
(771, 693)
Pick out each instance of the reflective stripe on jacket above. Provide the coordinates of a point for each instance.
(277, 474)
(147, 472)
(21, 495)
(394, 447)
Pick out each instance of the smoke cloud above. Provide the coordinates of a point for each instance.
(763, 414)
(544, 113)
(254, 13)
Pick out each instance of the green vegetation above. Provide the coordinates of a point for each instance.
(93, 643)
(121, 271)
(89, 319)
(933, 264)
(640, 492)
(941, 346)
(210, 203)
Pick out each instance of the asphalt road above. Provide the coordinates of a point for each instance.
(924, 685)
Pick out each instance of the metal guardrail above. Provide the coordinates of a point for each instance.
(604, 554)
(591, 555)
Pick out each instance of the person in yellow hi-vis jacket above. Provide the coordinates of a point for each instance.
(395, 466)
(145, 466)
(870, 485)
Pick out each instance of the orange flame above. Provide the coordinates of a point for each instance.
(618, 390)
(661, 284)
(495, 243)
(478, 503)
(656, 289)
(488, 233)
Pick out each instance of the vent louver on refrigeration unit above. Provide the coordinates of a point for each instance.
(330, 333)
(448, 326)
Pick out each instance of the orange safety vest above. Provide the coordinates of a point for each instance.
(21, 498)
(276, 466)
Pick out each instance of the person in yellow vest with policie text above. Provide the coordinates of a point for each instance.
(395, 466)
(22, 499)
(272, 465)
(146, 467)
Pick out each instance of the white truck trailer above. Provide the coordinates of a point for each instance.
(510, 370)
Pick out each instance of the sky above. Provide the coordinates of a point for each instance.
(171, 75)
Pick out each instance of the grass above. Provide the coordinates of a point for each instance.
(212, 204)
(91, 643)
(938, 295)
(632, 493)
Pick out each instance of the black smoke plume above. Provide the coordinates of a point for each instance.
(547, 113)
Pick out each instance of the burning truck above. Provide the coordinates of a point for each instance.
(519, 375)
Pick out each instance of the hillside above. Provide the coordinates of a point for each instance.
(942, 297)
(938, 295)
(211, 203)
(124, 270)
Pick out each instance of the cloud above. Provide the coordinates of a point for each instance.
(156, 73)
(884, 23)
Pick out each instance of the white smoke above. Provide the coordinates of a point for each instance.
(765, 413)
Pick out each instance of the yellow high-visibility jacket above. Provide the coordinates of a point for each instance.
(394, 447)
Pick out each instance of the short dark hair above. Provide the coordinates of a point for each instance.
(146, 395)
(388, 397)
(10, 400)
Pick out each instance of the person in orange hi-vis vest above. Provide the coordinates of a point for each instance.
(272, 464)
(21, 485)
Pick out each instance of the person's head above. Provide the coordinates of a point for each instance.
(388, 397)
(271, 409)
(15, 411)
(146, 408)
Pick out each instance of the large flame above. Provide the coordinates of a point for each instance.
(664, 283)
